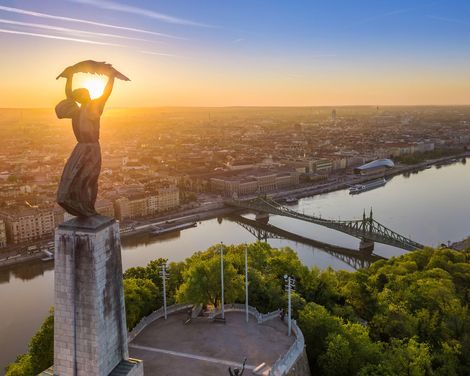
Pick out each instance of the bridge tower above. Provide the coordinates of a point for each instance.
(366, 245)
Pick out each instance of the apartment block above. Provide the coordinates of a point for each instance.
(105, 207)
(256, 182)
(167, 198)
(3, 234)
(28, 224)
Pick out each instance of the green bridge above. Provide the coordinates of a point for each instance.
(367, 229)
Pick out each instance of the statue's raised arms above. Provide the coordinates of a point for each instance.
(78, 186)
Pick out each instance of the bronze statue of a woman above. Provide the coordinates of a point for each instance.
(78, 186)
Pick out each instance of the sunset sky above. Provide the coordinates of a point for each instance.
(244, 52)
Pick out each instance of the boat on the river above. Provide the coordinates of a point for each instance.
(358, 188)
(292, 200)
(48, 255)
(163, 230)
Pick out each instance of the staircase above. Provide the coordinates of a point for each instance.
(262, 370)
(128, 367)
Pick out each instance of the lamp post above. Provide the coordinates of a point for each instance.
(289, 284)
(246, 282)
(164, 274)
(222, 277)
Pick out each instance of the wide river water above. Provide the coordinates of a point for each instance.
(431, 207)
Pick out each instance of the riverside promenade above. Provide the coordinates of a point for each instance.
(204, 347)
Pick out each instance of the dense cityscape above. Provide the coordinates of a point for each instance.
(168, 160)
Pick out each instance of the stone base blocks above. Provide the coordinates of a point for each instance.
(90, 333)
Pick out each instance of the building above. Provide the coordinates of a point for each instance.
(3, 234)
(167, 198)
(254, 183)
(132, 207)
(321, 166)
(311, 165)
(121, 208)
(105, 207)
(152, 204)
(422, 147)
(59, 215)
(240, 165)
(374, 167)
(339, 163)
(400, 149)
(28, 224)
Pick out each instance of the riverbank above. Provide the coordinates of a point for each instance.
(40, 250)
(348, 181)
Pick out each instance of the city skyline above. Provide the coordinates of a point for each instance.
(246, 54)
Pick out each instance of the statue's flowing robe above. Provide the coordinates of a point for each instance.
(78, 186)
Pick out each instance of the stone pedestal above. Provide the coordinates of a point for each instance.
(90, 333)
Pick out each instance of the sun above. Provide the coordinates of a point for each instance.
(95, 84)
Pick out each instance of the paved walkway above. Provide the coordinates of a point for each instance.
(191, 356)
(207, 348)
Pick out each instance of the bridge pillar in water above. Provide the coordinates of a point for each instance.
(366, 246)
(90, 331)
(262, 217)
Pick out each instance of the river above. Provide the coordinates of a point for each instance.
(431, 207)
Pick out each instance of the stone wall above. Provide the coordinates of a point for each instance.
(300, 367)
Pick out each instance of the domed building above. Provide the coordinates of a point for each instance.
(374, 167)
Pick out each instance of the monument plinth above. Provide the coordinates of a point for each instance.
(90, 332)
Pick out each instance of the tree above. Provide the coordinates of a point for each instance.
(316, 325)
(408, 358)
(41, 347)
(347, 350)
(266, 293)
(41, 352)
(21, 367)
(335, 360)
(141, 297)
(202, 282)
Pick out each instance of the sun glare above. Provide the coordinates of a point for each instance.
(95, 84)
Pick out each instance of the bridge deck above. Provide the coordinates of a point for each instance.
(354, 258)
(366, 228)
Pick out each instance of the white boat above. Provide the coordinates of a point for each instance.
(358, 188)
(49, 255)
(292, 200)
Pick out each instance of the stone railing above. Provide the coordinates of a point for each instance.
(268, 316)
(159, 313)
(285, 362)
(237, 307)
(282, 366)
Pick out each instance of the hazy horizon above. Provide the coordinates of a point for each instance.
(333, 106)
